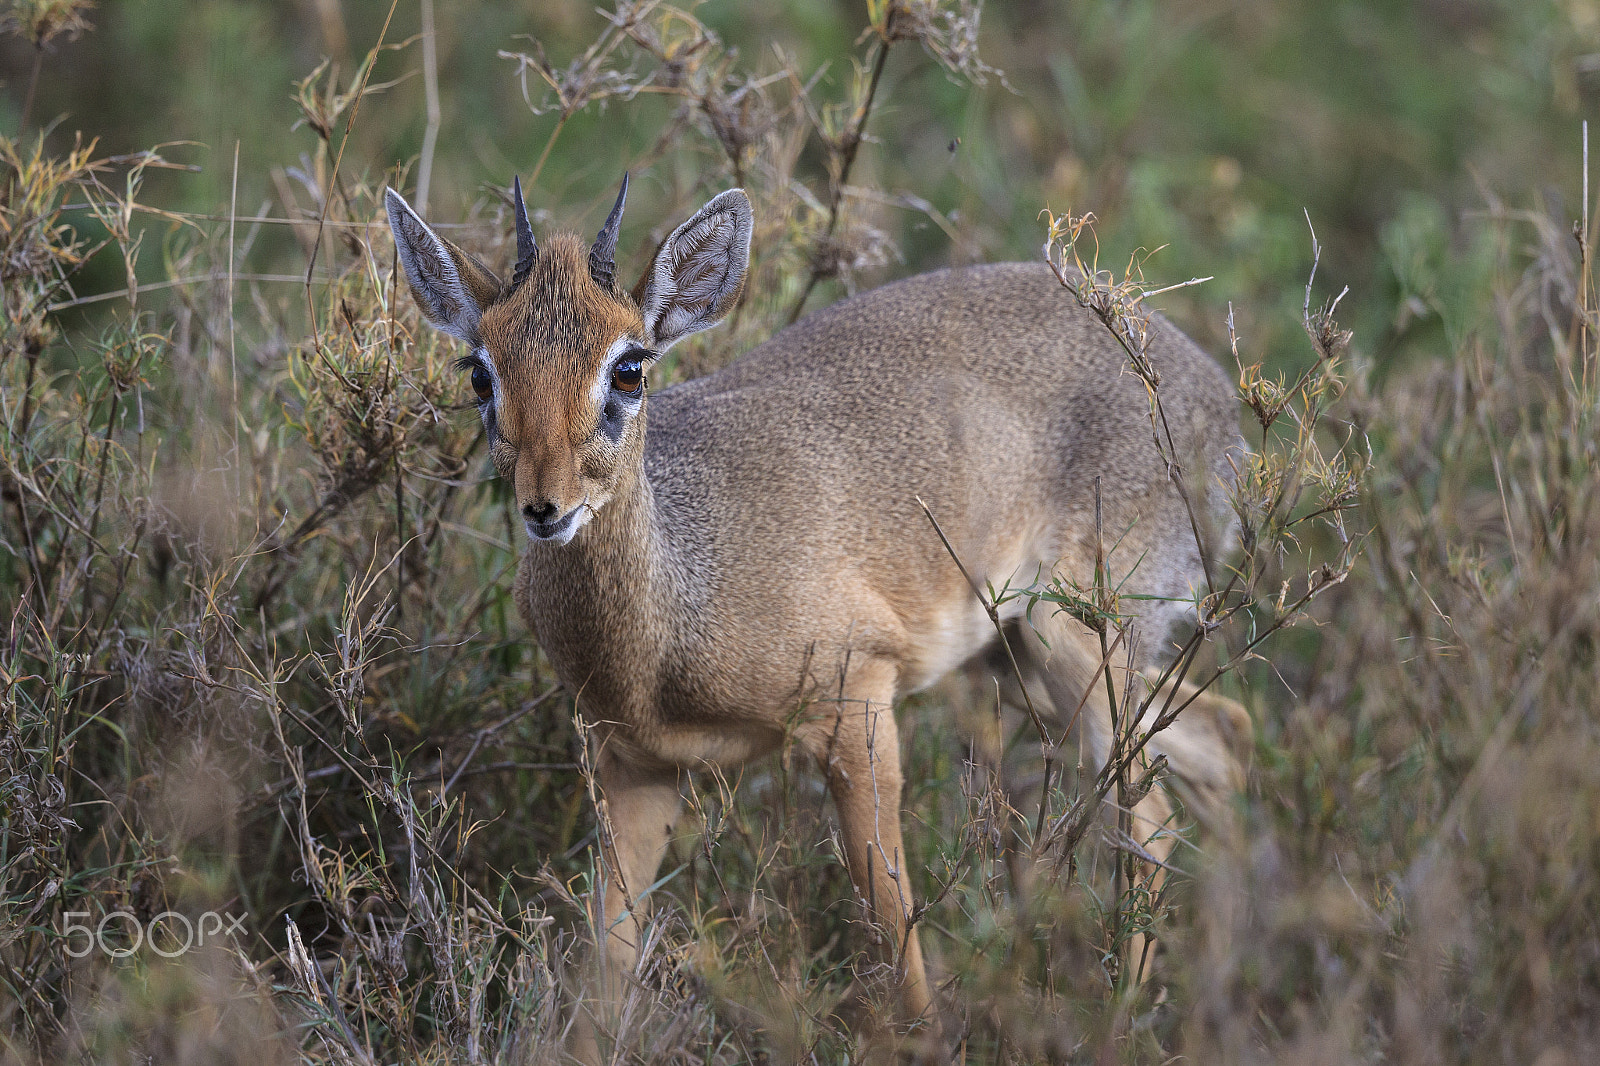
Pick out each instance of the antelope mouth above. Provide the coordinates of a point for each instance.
(558, 530)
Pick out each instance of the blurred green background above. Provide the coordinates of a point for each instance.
(1215, 128)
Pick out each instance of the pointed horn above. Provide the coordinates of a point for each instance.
(527, 249)
(603, 256)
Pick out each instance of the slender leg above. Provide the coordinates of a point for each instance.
(638, 808)
(1209, 748)
(1150, 817)
(1202, 745)
(857, 745)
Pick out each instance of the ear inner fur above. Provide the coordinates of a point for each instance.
(452, 286)
(699, 273)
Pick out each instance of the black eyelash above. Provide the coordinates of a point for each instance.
(475, 364)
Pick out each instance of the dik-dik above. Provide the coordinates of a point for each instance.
(741, 561)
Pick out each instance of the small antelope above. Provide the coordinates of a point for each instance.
(741, 561)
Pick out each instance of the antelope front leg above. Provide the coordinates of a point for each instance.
(859, 750)
(636, 816)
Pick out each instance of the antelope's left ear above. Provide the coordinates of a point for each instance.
(451, 286)
(699, 274)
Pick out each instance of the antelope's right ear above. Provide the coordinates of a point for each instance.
(451, 286)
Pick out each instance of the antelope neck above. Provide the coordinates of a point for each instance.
(612, 582)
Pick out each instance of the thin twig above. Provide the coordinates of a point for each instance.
(488, 731)
(233, 358)
(994, 617)
(430, 91)
(33, 84)
(338, 159)
(849, 145)
(196, 279)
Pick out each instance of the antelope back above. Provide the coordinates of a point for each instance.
(559, 354)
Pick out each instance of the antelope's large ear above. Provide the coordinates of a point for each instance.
(451, 286)
(699, 273)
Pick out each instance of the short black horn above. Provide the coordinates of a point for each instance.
(527, 249)
(603, 256)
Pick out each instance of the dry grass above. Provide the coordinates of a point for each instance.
(258, 658)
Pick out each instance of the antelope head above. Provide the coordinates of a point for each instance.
(559, 354)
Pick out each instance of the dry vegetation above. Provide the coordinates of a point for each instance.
(258, 657)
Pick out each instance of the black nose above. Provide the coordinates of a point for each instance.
(541, 512)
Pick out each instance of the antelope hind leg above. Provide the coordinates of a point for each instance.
(1204, 747)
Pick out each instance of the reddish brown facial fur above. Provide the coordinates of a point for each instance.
(549, 340)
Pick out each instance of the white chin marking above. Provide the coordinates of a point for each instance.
(566, 531)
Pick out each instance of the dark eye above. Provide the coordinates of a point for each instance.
(628, 377)
(482, 384)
